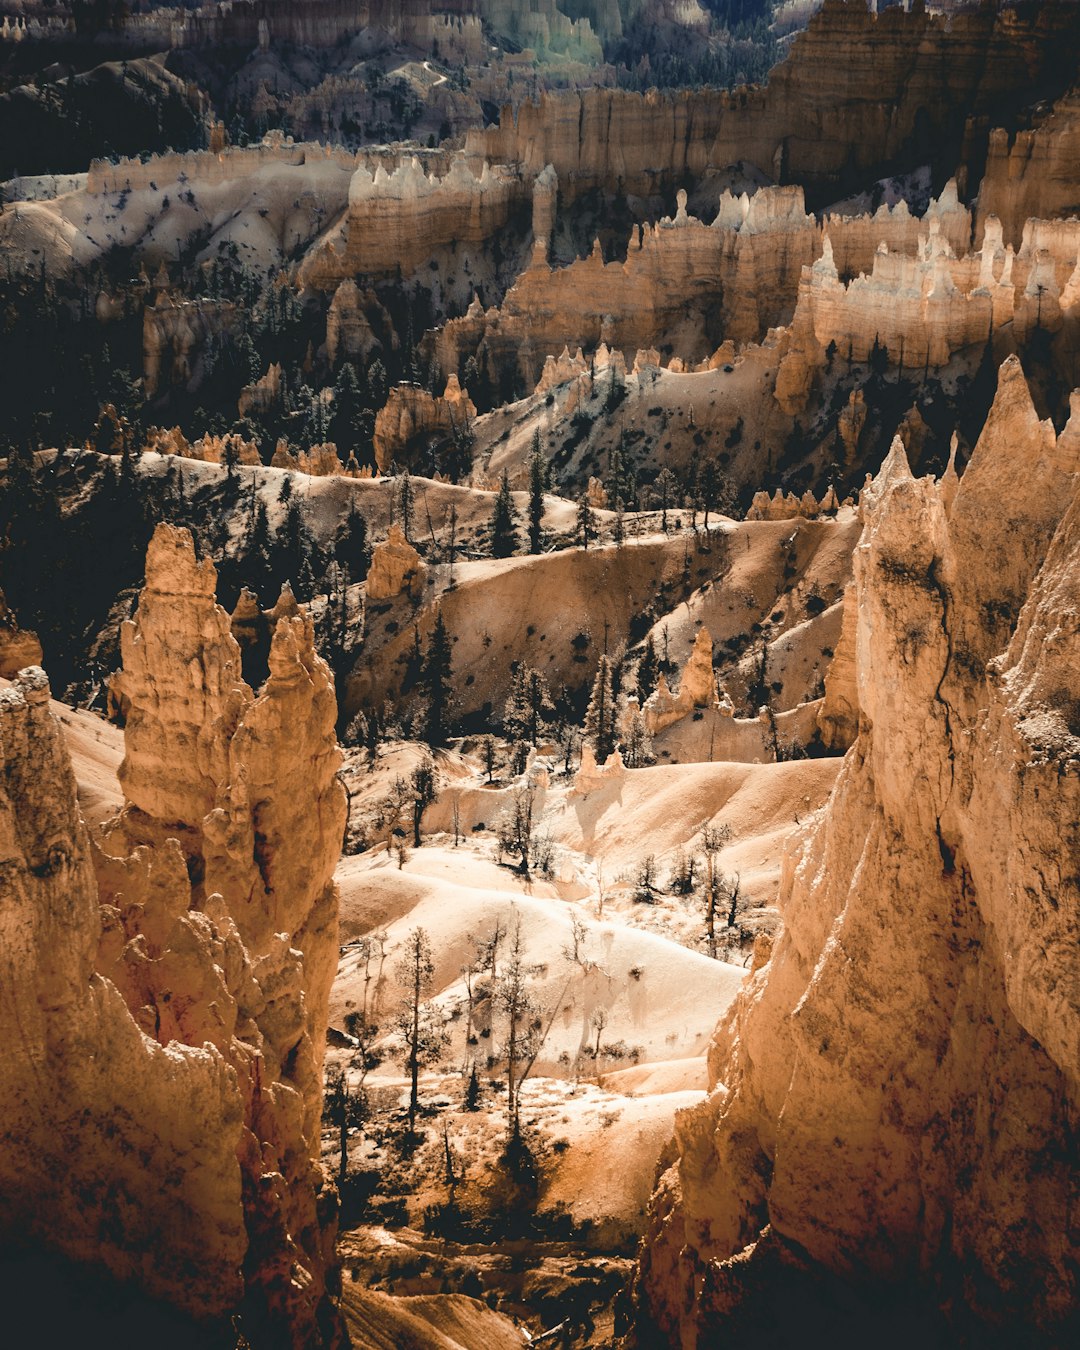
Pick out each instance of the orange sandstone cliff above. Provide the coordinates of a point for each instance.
(164, 999)
(894, 1093)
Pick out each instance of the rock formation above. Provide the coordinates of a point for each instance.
(838, 716)
(921, 310)
(787, 506)
(208, 449)
(894, 1092)
(697, 689)
(683, 283)
(592, 777)
(18, 648)
(397, 220)
(412, 415)
(265, 393)
(1036, 173)
(349, 335)
(828, 117)
(165, 1005)
(395, 567)
(174, 334)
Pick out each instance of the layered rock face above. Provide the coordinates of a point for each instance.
(397, 220)
(683, 283)
(174, 334)
(922, 309)
(165, 1001)
(1037, 173)
(858, 89)
(895, 1091)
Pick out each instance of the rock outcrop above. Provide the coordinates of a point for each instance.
(838, 716)
(1036, 173)
(920, 310)
(18, 648)
(396, 220)
(208, 449)
(165, 1002)
(788, 506)
(829, 116)
(395, 567)
(411, 417)
(894, 1093)
(683, 284)
(697, 689)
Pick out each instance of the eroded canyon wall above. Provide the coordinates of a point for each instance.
(857, 91)
(164, 1002)
(895, 1091)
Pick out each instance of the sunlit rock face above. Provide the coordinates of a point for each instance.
(894, 1088)
(165, 1001)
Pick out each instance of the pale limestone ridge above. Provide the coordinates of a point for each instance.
(893, 1089)
(169, 990)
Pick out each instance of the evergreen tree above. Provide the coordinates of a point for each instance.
(424, 792)
(536, 494)
(419, 1026)
(436, 683)
(377, 383)
(538, 705)
(344, 423)
(406, 497)
(585, 520)
(259, 543)
(350, 546)
(515, 712)
(503, 522)
(648, 671)
(600, 717)
(665, 487)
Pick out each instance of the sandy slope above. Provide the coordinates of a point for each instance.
(658, 997)
(424, 1322)
(97, 747)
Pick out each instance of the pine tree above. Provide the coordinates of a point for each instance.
(259, 544)
(536, 495)
(515, 712)
(584, 519)
(600, 717)
(377, 383)
(665, 488)
(419, 1026)
(405, 497)
(503, 522)
(648, 671)
(424, 793)
(343, 426)
(538, 705)
(436, 684)
(350, 546)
